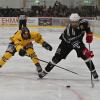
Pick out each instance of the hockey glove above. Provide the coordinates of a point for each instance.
(87, 53)
(47, 46)
(89, 37)
(22, 52)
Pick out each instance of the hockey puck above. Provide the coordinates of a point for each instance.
(68, 86)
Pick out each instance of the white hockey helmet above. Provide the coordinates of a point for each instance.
(74, 17)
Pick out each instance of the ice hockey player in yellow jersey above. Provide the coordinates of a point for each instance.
(21, 42)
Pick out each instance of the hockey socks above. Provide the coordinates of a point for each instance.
(49, 67)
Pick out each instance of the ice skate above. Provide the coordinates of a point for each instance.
(95, 75)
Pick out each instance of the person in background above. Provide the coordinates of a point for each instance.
(22, 20)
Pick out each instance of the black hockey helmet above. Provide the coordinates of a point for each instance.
(25, 33)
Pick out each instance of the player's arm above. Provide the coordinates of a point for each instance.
(18, 45)
(16, 39)
(89, 35)
(39, 39)
(20, 48)
(17, 42)
(63, 35)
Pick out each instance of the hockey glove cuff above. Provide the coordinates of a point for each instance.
(89, 37)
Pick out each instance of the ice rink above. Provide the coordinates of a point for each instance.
(19, 80)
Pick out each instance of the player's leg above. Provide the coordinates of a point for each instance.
(8, 54)
(32, 54)
(90, 65)
(86, 55)
(61, 53)
(20, 24)
(24, 23)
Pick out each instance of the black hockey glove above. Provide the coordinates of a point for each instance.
(22, 52)
(47, 46)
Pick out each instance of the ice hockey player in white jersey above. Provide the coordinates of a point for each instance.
(72, 39)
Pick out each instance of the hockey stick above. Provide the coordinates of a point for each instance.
(91, 71)
(59, 66)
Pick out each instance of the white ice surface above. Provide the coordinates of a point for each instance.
(19, 80)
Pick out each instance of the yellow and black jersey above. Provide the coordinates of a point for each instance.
(20, 42)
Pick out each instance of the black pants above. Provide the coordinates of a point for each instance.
(65, 48)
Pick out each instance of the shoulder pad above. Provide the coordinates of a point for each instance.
(83, 21)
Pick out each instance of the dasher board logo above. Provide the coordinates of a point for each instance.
(45, 21)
